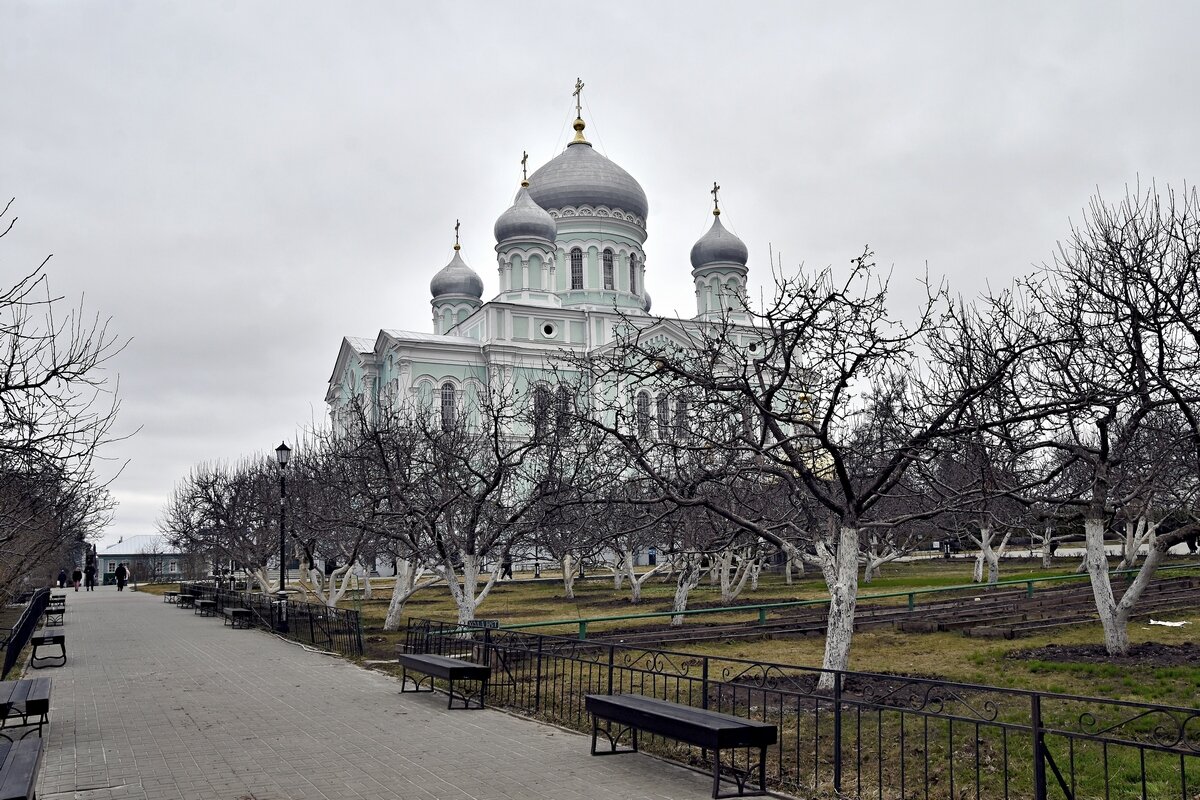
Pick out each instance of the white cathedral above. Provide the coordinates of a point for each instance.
(572, 276)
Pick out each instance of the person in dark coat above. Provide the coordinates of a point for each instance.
(89, 576)
(122, 575)
(62, 578)
(76, 577)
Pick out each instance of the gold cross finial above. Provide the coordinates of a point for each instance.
(456, 244)
(716, 202)
(524, 161)
(578, 98)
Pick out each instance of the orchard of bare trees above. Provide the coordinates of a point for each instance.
(57, 410)
(829, 429)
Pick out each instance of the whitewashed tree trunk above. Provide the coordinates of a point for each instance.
(1112, 617)
(264, 582)
(364, 575)
(467, 595)
(621, 566)
(689, 577)
(755, 571)
(407, 583)
(840, 569)
(734, 569)
(636, 582)
(1138, 533)
(568, 568)
(1047, 541)
(989, 555)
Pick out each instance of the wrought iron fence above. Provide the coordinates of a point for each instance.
(857, 735)
(335, 629)
(16, 638)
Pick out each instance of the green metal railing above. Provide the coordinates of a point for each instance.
(763, 608)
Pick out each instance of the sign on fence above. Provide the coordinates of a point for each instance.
(483, 623)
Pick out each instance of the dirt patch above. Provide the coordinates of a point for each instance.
(1149, 654)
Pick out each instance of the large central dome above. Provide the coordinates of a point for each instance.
(579, 176)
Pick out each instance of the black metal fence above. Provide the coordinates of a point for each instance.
(857, 735)
(335, 629)
(17, 637)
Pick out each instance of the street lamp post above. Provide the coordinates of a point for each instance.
(282, 453)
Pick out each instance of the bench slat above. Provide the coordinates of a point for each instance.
(19, 773)
(695, 726)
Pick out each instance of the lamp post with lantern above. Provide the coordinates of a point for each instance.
(282, 453)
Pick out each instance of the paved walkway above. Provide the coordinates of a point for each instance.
(158, 704)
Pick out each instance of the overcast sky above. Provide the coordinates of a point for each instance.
(240, 185)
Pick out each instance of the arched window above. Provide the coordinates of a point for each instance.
(541, 410)
(562, 410)
(608, 269)
(683, 424)
(449, 406)
(633, 273)
(664, 416)
(643, 414)
(576, 268)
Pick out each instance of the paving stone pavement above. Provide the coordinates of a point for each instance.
(156, 703)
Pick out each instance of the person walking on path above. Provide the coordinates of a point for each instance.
(76, 577)
(122, 574)
(89, 577)
(62, 578)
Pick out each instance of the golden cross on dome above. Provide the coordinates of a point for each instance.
(456, 224)
(716, 203)
(578, 98)
(524, 161)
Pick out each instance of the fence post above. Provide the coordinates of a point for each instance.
(704, 682)
(912, 601)
(837, 732)
(487, 647)
(612, 650)
(582, 629)
(537, 682)
(762, 615)
(1029, 589)
(1039, 753)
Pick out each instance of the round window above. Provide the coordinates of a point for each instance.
(548, 329)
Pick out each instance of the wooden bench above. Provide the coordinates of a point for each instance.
(48, 640)
(26, 700)
(710, 730)
(55, 609)
(186, 600)
(20, 763)
(170, 597)
(237, 617)
(448, 669)
(206, 608)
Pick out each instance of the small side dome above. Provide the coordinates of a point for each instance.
(456, 278)
(719, 246)
(645, 301)
(525, 219)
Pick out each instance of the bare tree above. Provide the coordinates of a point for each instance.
(780, 400)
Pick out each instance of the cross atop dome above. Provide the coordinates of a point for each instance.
(579, 123)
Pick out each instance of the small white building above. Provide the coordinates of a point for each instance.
(148, 557)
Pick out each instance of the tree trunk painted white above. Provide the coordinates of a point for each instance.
(689, 577)
(568, 568)
(755, 571)
(1112, 617)
(1047, 550)
(1138, 533)
(264, 582)
(636, 582)
(840, 569)
(467, 595)
(364, 575)
(406, 584)
(620, 566)
(989, 556)
(734, 570)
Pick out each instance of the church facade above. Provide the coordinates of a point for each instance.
(572, 275)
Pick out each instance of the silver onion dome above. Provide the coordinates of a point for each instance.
(719, 246)
(456, 278)
(580, 176)
(645, 301)
(525, 219)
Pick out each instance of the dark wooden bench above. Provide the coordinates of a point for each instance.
(170, 597)
(20, 763)
(186, 600)
(55, 609)
(24, 704)
(206, 608)
(448, 669)
(710, 730)
(48, 640)
(237, 617)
